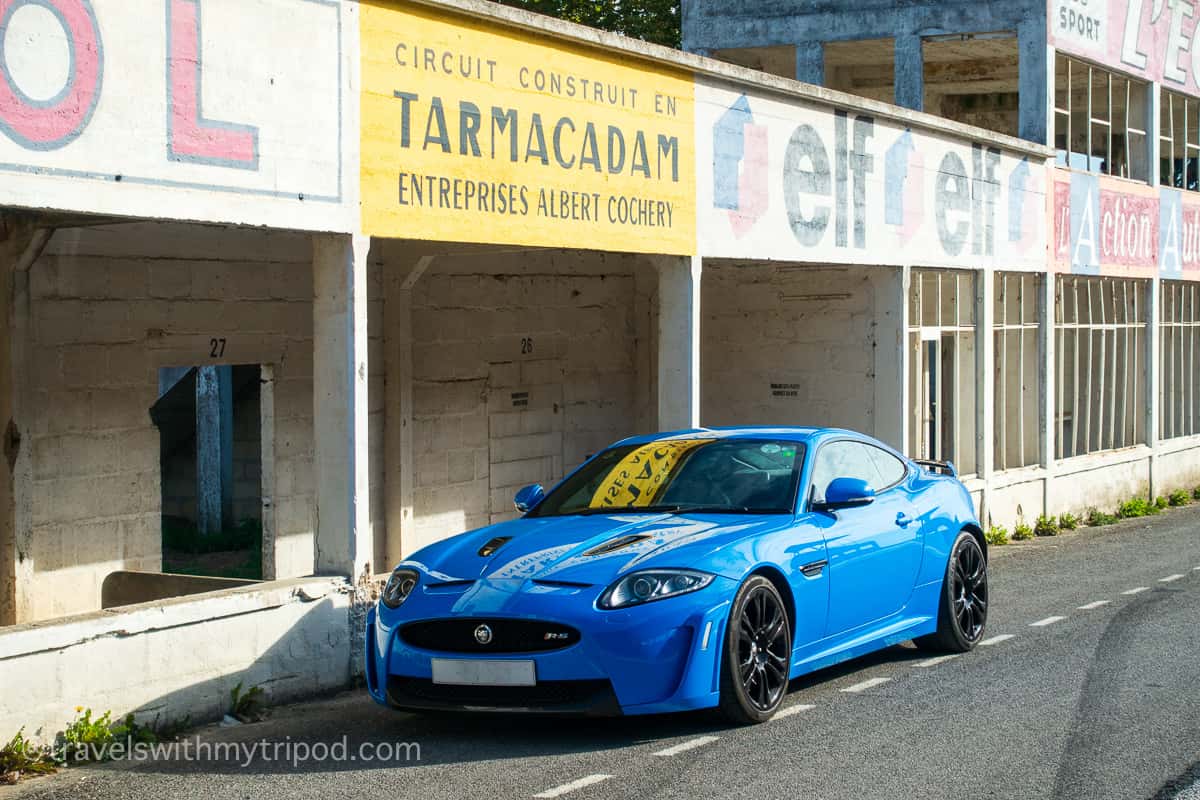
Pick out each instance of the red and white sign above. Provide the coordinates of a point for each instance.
(212, 110)
(1152, 39)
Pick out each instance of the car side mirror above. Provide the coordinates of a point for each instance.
(529, 497)
(846, 493)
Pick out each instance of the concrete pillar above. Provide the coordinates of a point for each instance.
(910, 72)
(891, 379)
(1032, 71)
(398, 422)
(343, 540)
(214, 448)
(810, 63)
(985, 379)
(1153, 377)
(1154, 408)
(1153, 143)
(678, 342)
(20, 245)
(1048, 388)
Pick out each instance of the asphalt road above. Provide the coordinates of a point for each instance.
(1096, 702)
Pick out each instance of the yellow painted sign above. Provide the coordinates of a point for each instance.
(477, 133)
(641, 475)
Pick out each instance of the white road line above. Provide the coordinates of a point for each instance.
(933, 662)
(1094, 605)
(1041, 623)
(1004, 637)
(690, 744)
(1138, 590)
(583, 782)
(871, 683)
(1170, 578)
(784, 713)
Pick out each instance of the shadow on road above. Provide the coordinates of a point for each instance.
(355, 725)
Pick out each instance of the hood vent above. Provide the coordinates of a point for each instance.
(447, 584)
(493, 545)
(619, 543)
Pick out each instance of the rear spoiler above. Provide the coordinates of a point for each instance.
(937, 467)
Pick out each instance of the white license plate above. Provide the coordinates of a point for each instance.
(463, 672)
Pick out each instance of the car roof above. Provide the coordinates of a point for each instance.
(797, 434)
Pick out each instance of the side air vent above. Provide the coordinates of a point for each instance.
(617, 544)
(493, 545)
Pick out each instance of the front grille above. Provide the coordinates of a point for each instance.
(507, 635)
(577, 697)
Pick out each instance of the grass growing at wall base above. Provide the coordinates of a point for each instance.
(232, 553)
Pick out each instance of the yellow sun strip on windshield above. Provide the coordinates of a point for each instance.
(639, 477)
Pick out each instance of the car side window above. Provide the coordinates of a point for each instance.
(842, 460)
(891, 469)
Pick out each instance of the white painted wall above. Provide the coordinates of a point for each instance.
(789, 345)
(793, 180)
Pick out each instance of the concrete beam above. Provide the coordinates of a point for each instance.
(398, 422)
(343, 542)
(678, 341)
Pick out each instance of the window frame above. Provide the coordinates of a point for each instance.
(1101, 405)
(808, 494)
(1166, 138)
(1090, 72)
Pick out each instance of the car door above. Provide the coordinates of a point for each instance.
(874, 550)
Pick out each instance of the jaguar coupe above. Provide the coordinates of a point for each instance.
(696, 569)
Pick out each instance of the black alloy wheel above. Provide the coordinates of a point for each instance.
(758, 653)
(962, 611)
(970, 590)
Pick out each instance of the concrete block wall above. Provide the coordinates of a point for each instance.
(560, 326)
(784, 345)
(110, 306)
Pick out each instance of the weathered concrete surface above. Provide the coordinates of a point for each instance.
(126, 587)
(711, 25)
(173, 658)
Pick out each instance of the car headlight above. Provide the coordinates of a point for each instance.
(399, 587)
(653, 584)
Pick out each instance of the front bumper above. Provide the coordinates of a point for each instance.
(660, 657)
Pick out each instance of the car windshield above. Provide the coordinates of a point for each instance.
(752, 476)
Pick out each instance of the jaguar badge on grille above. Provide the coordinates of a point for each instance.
(483, 634)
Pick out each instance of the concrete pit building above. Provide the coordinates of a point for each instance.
(320, 282)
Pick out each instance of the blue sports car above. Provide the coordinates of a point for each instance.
(694, 569)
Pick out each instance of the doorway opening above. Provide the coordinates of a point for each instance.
(210, 424)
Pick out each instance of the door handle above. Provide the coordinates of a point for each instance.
(903, 520)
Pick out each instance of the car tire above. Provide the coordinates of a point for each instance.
(963, 607)
(757, 657)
